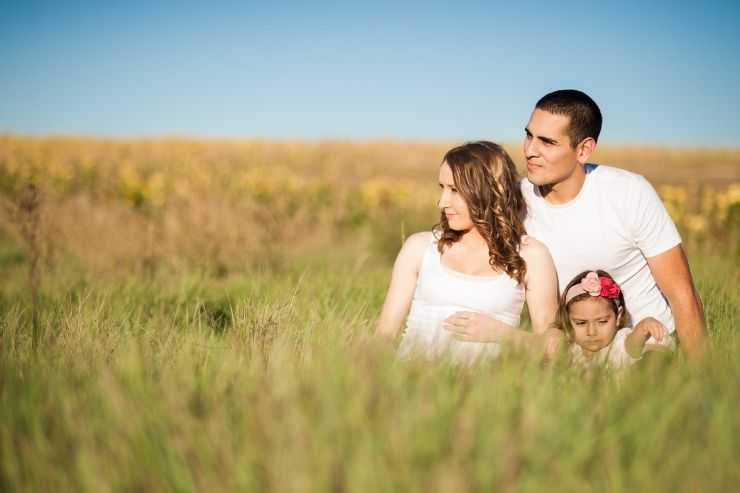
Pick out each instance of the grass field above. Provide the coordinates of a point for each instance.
(192, 315)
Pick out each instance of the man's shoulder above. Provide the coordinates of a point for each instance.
(614, 177)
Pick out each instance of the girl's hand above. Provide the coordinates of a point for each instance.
(651, 327)
(474, 327)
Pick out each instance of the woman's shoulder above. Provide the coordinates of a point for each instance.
(415, 245)
(419, 240)
(532, 249)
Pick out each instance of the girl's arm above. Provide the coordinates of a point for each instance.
(635, 341)
(402, 285)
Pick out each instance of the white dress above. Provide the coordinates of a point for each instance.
(614, 356)
(440, 292)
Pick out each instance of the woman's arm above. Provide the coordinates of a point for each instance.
(402, 285)
(541, 285)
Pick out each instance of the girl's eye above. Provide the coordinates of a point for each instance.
(453, 189)
(579, 323)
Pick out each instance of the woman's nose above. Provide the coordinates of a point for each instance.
(443, 200)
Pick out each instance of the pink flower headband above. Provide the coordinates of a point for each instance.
(595, 286)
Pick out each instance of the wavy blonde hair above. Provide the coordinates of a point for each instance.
(486, 177)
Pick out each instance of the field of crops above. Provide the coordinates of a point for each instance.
(195, 315)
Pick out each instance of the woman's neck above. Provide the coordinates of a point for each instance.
(473, 239)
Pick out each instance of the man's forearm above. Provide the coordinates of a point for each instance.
(690, 326)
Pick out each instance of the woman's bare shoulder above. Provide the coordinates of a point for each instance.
(412, 252)
(418, 242)
(532, 249)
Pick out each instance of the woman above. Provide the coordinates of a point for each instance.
(465, 283)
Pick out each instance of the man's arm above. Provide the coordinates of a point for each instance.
(671, 272)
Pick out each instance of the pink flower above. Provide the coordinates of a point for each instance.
(591, 284)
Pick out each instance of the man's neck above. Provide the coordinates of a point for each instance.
(565, 190)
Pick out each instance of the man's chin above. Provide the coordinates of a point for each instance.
(537, 179)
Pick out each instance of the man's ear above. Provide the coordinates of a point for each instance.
(584, 150)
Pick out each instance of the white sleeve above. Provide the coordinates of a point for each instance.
(652, 229)
(618, 355)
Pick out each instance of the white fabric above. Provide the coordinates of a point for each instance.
(615, 222)
(614, 356)
(440, 292)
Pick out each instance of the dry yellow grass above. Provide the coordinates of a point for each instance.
(122, 204)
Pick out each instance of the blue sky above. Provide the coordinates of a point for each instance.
(662, 72)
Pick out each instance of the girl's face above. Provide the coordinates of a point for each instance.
(594, 323)
(451, 202)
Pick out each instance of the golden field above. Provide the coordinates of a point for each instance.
(180, 203)
(196, 315)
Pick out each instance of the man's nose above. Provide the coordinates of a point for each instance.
(530, 148)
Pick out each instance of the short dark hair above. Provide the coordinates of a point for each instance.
(584, 113)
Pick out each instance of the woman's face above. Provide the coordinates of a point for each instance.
(451, 202)
(594, 323)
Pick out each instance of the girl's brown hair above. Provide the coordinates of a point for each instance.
(486, 177)
(563, 320)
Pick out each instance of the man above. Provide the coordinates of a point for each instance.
(599, 217)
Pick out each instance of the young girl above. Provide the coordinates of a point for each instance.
(463, 285)
(591, 314)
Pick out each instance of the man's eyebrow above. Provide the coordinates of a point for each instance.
(547, 140)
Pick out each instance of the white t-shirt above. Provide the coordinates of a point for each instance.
(614, 356)
(613, 224)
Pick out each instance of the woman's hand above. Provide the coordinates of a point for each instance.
(476, 327)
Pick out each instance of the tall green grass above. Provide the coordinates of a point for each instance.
(268, 380)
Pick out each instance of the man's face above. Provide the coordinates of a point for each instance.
(547, 148)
